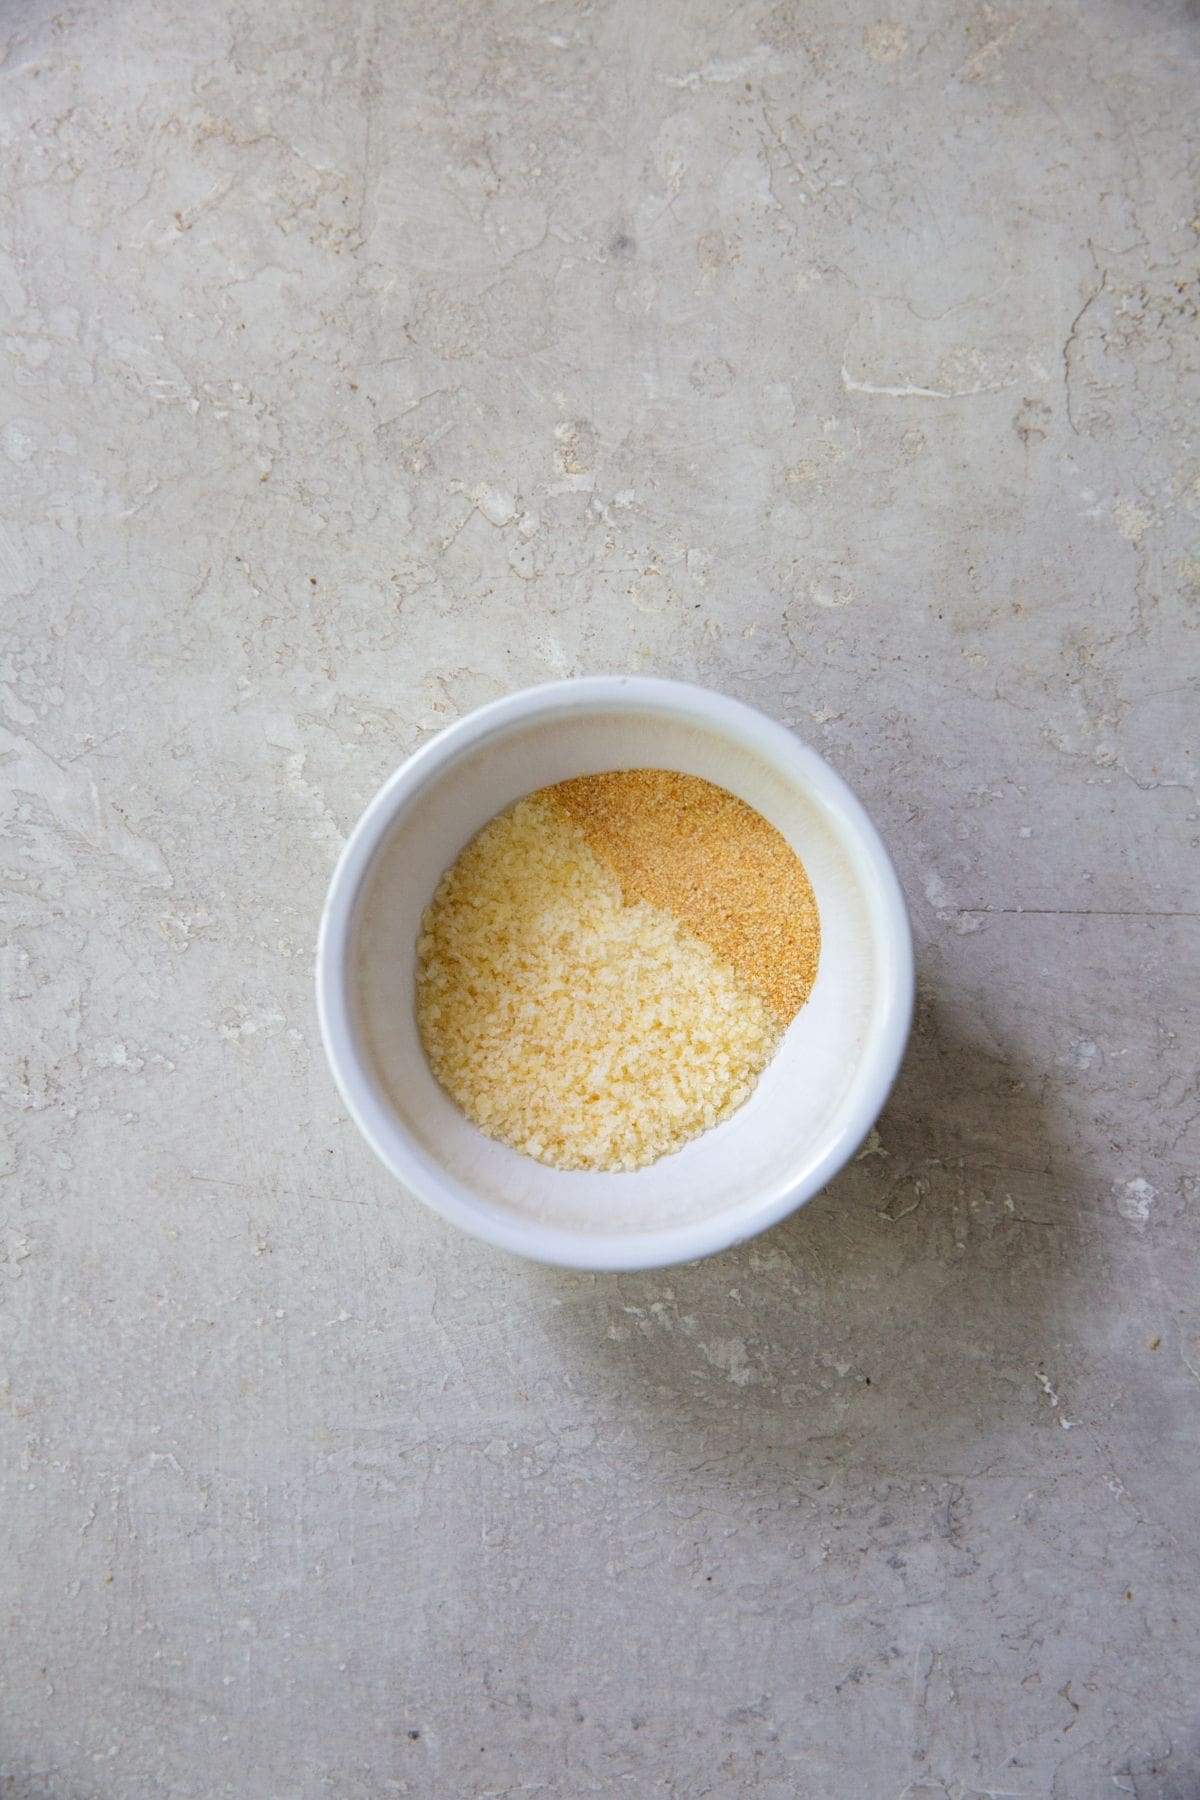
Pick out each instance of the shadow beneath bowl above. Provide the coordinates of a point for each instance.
(898, 1321)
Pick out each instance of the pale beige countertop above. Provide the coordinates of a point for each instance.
(367, 361)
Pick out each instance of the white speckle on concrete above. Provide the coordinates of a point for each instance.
(1135, 1199)
(872, 1147)
(15, 1251)
(116, 1056)
(1132, 521)
(496, 504)
(1053, 1399)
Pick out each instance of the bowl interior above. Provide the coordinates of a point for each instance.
(810, 1101)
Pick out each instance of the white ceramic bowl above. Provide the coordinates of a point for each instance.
(816, 1101)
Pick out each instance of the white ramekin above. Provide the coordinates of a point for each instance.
(812, 1108)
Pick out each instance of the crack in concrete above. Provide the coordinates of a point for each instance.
(1069, 345)
(1070, 912)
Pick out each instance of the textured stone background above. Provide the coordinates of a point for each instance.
(365, 362)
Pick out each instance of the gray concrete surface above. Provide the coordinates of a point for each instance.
(364, 362)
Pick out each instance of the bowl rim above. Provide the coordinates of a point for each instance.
(583, 1248)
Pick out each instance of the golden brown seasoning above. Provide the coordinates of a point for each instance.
(587, 1030)
(711, 861)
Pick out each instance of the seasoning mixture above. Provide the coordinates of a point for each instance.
(610, 964)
